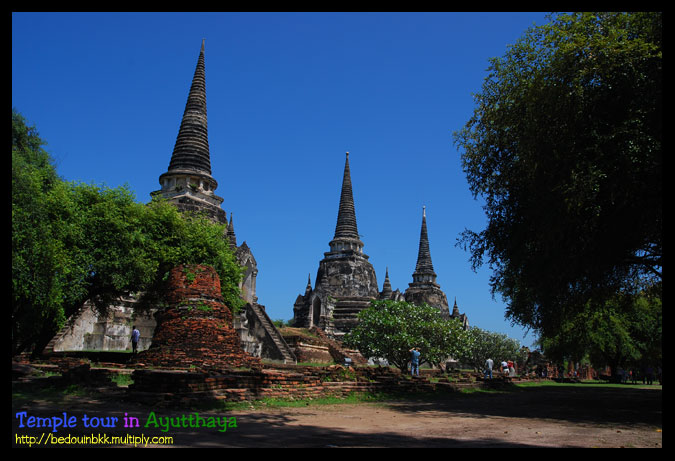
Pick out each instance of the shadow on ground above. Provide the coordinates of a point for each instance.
(578, 403)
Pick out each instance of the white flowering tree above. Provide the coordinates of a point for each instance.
(389, 329)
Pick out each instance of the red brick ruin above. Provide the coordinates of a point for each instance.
(195, 330)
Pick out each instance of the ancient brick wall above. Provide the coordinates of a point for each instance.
(170, 387)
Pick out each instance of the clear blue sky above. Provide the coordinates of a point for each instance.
(287, 95)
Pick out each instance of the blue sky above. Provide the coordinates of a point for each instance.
(287, 95)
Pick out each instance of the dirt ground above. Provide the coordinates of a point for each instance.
(581, 416)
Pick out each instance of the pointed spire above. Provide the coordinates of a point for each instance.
(191, 151)
(455, 309)
(308, 288)
(346, 222)
(386, 287)
(424, 270)
(230, 233)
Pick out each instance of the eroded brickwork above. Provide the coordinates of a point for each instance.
(195, 330)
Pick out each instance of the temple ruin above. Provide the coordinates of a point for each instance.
(190, 186)
(346, 283)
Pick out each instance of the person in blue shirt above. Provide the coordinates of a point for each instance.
(135, 336)
(415, 361)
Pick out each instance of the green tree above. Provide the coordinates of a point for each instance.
(565, 148)
(183, 238)
(38, 264)
(484, 344)
(389, 329)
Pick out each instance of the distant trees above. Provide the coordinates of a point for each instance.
(626, 331)
(565, 147)
(73, 242)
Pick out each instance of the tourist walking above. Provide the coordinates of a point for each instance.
(488, 368)
(135, 336)
(415, 361)
(505, 368)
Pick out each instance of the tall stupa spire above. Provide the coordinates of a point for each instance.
(424, 288)
(191, 151)
(188, 181)
(346, 221)
(424, 269)
(346, 239)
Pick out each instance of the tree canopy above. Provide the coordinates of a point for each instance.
(73, 242)
(564, 146)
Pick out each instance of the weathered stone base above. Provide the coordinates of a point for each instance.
(428, 293)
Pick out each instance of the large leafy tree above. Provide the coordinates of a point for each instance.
(389, 329)
(182, 238)
(565, 148)
(73, 242)
(39, 265)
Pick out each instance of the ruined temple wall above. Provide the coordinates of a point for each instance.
(87, 330)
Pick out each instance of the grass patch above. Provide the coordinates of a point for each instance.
(266, 403)
(483, 390)
(352, 398)
(51, 394)
(315, 364)
(122, 379)
(584, 384)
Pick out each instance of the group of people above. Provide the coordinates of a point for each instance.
(507, 368)
(645, 374)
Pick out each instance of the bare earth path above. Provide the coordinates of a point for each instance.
(580, 416)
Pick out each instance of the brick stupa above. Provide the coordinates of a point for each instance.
(195, 330)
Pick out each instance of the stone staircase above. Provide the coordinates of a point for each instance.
(346, 311)
(264, 320)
